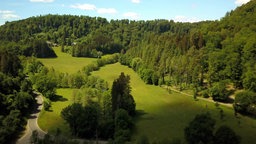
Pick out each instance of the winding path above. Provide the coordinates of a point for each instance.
(32, 123)
(204, 99)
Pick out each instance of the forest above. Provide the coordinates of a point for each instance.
(212, 58)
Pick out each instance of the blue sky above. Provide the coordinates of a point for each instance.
(177, 10)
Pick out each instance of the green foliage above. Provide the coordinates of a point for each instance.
(99, 63)
(245, 102)
(71, 115)
(121, 95)
(57, 138)
(198, 54)
(47, 104)
(162, 115)
(88, 121)
(83, 121)
(33, 66)
(122, 136)
(122, 120)
(200, 129)
(16, 97)
(225, 135)
(46, 85)
(40, 49)
(219, 91)
(187, 53)
(249, 81)
(10, 64)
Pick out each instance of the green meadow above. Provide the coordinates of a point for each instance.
(65, 62)
(164, 116)
(50, 121)
(161, 115)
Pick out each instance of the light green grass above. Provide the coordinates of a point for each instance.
(164, 115)
(49, 121)
(65, 62)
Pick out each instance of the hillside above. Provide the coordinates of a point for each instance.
(211, 59)
(188, 53)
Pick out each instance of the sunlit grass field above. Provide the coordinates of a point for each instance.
(65, 62)
(160, 115)
(49, 121)
(164, 116)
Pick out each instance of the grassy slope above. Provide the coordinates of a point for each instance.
(51, 120)
(164, 115)
(65, 62)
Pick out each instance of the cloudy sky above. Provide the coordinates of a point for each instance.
(177, 10)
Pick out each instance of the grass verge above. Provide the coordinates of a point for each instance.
(49, 121)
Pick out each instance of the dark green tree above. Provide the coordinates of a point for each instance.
(245, 102)
(200, 129)
(83, 121)
(121, 95)
(71, 115)
(123, 125)
(219, 92)
(88, 121)
(9, 63)
(225, 135)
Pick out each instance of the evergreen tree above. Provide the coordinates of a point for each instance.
(121, 95)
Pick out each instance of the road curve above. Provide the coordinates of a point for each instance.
(32, 122)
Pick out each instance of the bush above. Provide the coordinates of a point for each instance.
(47, 104)
(200, 129)
(121, 136)
(205, 94)
(245, 102)
(219, 92)
(225, 135)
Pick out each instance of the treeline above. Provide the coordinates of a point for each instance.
(46, 81)
(148, 75)
(207, 56)
(85, 36)
(100, 113)
(16, 96)
(33, 47)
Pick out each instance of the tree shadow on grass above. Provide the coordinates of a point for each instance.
(58, 98)
(138, 116)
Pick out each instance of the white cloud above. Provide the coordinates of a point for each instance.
(91, 7)
(84, 6)
(106, 11)
(135, 1)
(6, 14)
(131, 15)
(240, 2)
(5, 11)
(181, 18)
(44, 1)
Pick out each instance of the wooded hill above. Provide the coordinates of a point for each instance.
(206, 56)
